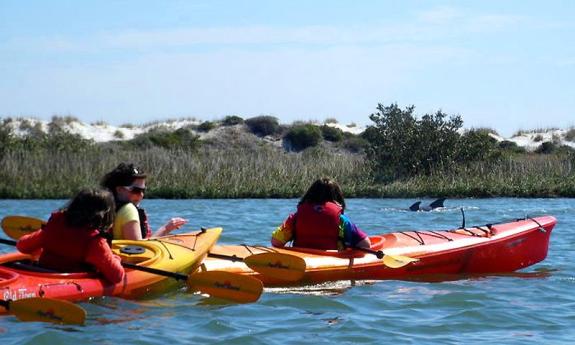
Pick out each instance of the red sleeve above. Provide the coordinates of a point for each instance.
(103, 259)
(31, 243)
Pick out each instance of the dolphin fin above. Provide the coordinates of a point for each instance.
(437, 203)
(415, 206)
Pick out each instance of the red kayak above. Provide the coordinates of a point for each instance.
(21, 278)
(491, 248)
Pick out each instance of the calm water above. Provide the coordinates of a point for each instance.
(537, 307)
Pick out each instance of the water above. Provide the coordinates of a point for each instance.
(536, 306)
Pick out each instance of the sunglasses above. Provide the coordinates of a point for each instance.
(135, 189)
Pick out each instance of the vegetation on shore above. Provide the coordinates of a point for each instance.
(400, 155)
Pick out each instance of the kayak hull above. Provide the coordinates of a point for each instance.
(182, 253)
(489, 249)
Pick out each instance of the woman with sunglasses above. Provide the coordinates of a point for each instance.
(128, 184)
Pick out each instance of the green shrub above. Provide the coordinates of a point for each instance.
(179, 139)
(263, 125)
(118, 134)
(330, 133)
(301, 137)
(403, 146)
(232, 120)
(570, 135)
(546, 148)
(330, 120)
(355, 144)
(538, 138)
(511, 146)
(206, 126)
(476, 145)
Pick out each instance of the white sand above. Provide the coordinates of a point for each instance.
(530, 140)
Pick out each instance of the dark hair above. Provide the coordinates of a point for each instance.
(323, 190)
(123, 175)
(92, 208)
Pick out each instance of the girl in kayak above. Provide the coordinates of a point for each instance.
(128, 184)
(74, 239)
(319, 221)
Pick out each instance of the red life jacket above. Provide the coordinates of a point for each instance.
(65, 247)
(317, 226)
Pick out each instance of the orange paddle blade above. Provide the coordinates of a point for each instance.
(18, 226)
(278, 265)
(46, 310)
(226, 285)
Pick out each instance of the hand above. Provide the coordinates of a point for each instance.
(175, 223)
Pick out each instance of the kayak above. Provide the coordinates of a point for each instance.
(21, 278)
(487, 249)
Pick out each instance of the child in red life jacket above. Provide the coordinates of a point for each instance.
(73, 240)
(319, 221)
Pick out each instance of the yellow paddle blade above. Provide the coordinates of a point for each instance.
(281, 266)
(397, 261)
(18, 226)
(47, 310)
(226, 285)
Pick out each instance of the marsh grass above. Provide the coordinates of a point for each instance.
(268, 172)
(259, 173)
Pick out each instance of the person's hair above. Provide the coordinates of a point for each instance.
(323, 190)
(94, 208)
(123, 175)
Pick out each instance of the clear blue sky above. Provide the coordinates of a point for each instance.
(507, 65)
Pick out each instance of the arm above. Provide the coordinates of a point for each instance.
(284, 233)
(31, 243)
(172, 224)
(127, 224)
(131, 231)
(352, 235)
(103, 259)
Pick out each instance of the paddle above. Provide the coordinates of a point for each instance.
(391, 261)
(278, 265)
(45, 310)
(220, 284)
(18, 226)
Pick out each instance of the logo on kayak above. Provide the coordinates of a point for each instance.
(17, 294)
(278, 264)
(50, 314)
(226, 285)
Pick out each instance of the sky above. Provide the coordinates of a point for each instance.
(507, 65)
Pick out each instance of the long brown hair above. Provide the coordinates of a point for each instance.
(322, 191)
(93, 208)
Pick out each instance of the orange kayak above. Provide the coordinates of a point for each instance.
(492, 248)
(183, 253)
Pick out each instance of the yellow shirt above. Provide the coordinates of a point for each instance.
(127, 213)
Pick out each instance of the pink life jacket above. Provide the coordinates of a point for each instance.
(317, 226)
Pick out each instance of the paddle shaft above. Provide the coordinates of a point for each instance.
(377, 253)
(9, 242)
(232, 258)
(5, 304)
(175, 275)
